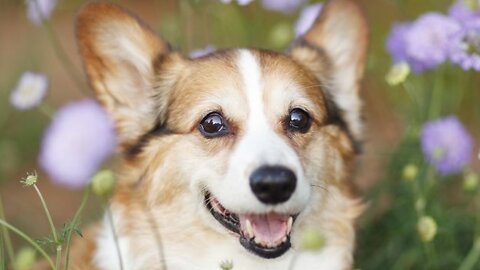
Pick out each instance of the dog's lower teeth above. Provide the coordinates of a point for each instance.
(284, 239)
(289, 224)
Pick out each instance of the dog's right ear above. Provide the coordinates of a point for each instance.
(120, 54)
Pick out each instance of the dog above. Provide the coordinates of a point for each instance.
(230, 157)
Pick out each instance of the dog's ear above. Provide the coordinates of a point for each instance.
(120, 54)
(334, 49)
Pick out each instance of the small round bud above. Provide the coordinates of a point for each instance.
(103, 183)
(473, 5)
(25, 259)
(398, 74)
(312, 240)
(30, 179)
(420, 205)
(426, 228)
(280, 35)
(470, 182)
(226, 265)
(410, 172)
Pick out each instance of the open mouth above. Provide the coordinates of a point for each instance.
(266, 235)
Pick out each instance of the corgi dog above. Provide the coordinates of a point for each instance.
(230, 157)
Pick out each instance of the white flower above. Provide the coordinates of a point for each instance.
(40, 10)
(30, 90)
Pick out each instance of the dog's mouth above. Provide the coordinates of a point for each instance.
(266, 235)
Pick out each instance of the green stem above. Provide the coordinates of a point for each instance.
(115, 238)
(74, 222)
(472, 257)
(62, 55)
(2, 254)
(52, 227)
(6, 237)
(154, 227)
(60, 52)
(435, 105)
(46, 110)
(29, 240)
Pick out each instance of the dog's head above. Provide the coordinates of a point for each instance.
(253, 137)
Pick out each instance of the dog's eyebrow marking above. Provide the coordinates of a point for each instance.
(136, 148)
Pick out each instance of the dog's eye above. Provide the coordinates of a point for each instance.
(213, 125)
(298, 121)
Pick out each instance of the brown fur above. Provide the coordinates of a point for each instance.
(157, 98)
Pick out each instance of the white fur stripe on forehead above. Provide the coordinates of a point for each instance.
(251, 76)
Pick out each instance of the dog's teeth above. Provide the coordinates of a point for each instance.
(284, 239)
(250, 233)
(289, 225)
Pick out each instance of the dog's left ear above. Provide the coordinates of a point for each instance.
(334, 49)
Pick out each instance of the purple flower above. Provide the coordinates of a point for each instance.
(465, 46)
(40, 10)
(396, 43)
(461, 12)
(30, 90)
(306, 19)
(424, 43)
(285, 6)
(240, 2)
(446, 144)
(202, 52)
(77, 142)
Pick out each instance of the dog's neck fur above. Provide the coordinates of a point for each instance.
(141, 249)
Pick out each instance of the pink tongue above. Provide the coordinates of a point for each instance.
(269, 228)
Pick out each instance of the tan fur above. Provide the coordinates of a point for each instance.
(144, 86)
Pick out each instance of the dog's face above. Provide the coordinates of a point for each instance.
(253, 137)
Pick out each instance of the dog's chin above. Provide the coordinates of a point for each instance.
(266, 235)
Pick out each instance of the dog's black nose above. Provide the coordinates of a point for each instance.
(273, 184)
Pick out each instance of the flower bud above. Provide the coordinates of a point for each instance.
(398, 74)
(226, 265)
(473, 5)
(280, 35)
(420, 205)
(312, 240)
(103, 183)
(426, 228)
(25, 259)
(30, 180)
(410, 172)
(470, 181)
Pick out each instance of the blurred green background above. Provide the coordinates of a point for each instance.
(190, 25)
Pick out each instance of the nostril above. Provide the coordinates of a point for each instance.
(273, 184)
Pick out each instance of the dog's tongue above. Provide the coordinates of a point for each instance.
(268, 229)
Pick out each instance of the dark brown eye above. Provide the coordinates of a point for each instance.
(299, 121)
(213, 125)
